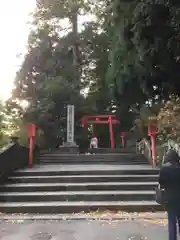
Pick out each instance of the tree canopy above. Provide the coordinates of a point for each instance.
(103, 56)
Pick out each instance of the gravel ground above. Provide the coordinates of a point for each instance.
(139, 229)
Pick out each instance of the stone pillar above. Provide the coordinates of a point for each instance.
(70, 146)
(70, 125)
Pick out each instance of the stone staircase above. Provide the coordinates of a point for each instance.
(64, 183)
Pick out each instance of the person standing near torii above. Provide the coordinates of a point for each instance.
(94, 142)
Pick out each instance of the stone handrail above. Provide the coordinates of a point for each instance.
(171, 144)
(13, 156)
(143, 147)
(174, 146)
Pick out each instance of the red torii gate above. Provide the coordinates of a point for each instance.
(102, 119)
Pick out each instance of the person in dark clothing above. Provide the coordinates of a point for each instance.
(169, 179)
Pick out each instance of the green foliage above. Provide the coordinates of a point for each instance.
(147, 115)
(168, 119)
(3, 135)
(125, 61)
(155, 36)
(151, 40)
(124, 73)
(59, 68)
(48, 9)
(144, 54)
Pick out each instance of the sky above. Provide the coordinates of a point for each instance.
(14, 17)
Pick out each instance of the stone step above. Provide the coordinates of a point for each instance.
(31, 187)
(69, 169)
(75, 207)
(113, 150)
(80, 173)
(101, 216)
(96, 150)
(77, 196)
(92, 157)
(82, 178)
(92, 163)
(77, 162)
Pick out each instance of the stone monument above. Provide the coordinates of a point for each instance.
(70, 145)
(70, 125)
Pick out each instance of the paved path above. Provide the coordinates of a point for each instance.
(82, 230)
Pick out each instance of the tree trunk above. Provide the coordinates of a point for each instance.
(75, 47)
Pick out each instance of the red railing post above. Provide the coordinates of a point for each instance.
(153, 149)
(31, 130)
(111, 132)
(31, 152)
(122, 141)
(152, 131)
